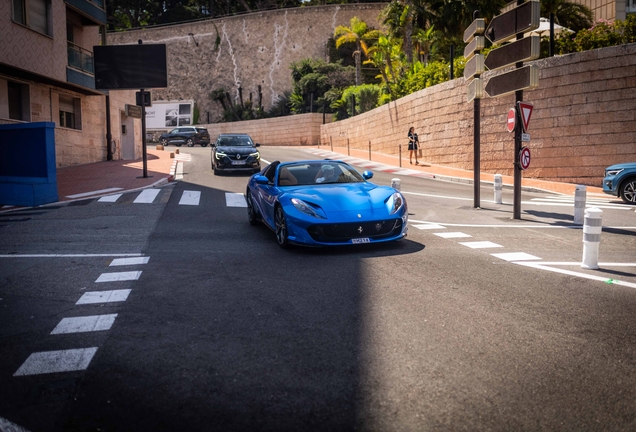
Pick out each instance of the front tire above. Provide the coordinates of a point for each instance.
(628, 191)
(281, 228)
(163, 141)
(204, 145)
(189, 142)
(251, 212)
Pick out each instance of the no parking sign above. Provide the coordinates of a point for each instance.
(524, 158)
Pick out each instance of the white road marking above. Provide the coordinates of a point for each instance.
(147, 196)
(85, 324)
(578, 263)
(429, 226)
(110, 198)
(112, 296)
(480, 245)
(265, 161)
(235, 199)
(179, 172)
(449, 235)
(56, 361)
(119, 276)
(68, 255)
(190, 198)
(542, 266)
(85, 194)
(515, 256)
(129, 261)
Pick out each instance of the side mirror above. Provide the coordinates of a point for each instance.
(257, 145)
(261, 179)
(367, 175)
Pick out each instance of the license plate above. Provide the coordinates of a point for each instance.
(360, 240)
(238, 162)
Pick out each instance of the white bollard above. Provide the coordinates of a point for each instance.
(579, 204)
(395, 183)
(592, 237)
(498, 188)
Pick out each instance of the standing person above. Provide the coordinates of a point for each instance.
(413, 142)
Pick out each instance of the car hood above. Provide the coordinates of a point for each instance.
(622, 166)
(237, 150)
(343, 197)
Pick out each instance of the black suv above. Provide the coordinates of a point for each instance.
(188, 135)
(235, 152)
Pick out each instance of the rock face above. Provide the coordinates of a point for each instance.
(244, 52)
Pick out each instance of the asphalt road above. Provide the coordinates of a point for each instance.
(223, 330)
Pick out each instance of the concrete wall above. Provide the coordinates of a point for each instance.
(255, 49)
(583, 120)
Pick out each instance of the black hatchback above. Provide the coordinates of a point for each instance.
(234, 153)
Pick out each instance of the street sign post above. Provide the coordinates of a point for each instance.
(526, 49)
(474, 68)
(524, 18)
(525, 78)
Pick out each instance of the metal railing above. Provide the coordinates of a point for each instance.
(80, 58)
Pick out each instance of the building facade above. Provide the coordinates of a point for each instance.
(47, 75)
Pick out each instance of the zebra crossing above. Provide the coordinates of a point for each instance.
(78, 359)
(188, 198)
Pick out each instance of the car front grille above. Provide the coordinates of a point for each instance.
(376, 230)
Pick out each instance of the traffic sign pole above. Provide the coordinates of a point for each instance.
(516, 207)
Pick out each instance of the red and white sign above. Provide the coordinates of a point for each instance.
(512, 116)
(524, 158)
(525, 109)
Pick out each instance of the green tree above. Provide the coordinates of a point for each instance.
(358, 33)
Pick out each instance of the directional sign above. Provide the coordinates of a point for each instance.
(477, 27)
(133, 111)
(474, 66)
(524, 78)
(526, 49)
(475, 89)
(521, 19)
(477, 44)
(512, 120)
(525, 109)
(524, 158)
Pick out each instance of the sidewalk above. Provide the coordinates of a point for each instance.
(103, 178)
(456, 174)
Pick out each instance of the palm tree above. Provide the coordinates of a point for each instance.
(381, 56)
(358, 33)
(424, 40)
(568, 14)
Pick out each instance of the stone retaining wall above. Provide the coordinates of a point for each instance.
(254, 49)
(297, 130)
(583, 120)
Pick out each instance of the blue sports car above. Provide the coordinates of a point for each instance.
(324, 203)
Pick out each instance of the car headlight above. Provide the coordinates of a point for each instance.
(395, 203)
(219, 155)
(613, 172)
(256, 155)
(307, 209)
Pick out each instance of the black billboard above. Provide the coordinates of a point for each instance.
(128, 67)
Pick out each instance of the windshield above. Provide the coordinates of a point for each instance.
(313, 173)
(235, 141)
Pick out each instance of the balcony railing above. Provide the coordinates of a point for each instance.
(80, 58)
